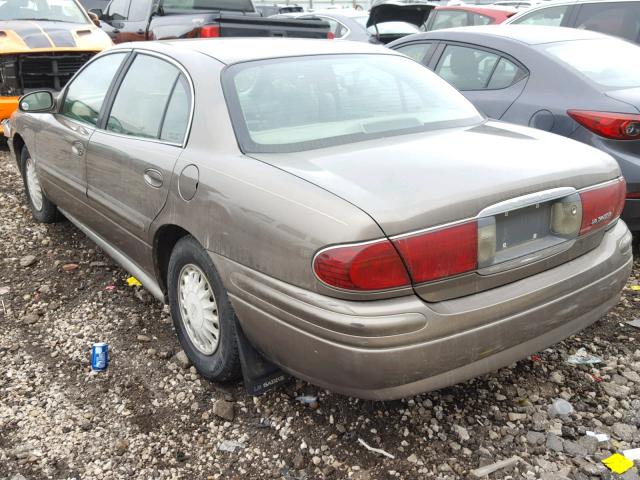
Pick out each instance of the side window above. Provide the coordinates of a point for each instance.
(477, 19)
(505, 74)
(139, 10)
(140, 104)
(417, 51)
(449, 19)
(118, 10)
(466, 68)
(551, 17)
(85, 95)
(617, 19)
(176, 118)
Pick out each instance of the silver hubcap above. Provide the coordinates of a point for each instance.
(33, 185)
(199, 309)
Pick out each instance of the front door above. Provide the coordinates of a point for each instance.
(130, 160)
(61, 143)
(127, 20)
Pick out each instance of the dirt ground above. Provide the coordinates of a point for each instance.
(150, 417)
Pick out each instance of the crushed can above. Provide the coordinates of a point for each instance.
(99, 357)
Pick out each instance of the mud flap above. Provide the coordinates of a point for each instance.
(260, 375)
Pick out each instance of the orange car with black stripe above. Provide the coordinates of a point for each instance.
(42, 44)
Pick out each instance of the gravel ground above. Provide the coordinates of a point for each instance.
(151, 416)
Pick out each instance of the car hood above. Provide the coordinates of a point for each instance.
(22, 36)
(410, 182)
(394, 11)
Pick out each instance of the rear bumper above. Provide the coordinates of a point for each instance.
(8, 105)
(398, 347)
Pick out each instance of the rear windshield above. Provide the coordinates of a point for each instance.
(610, 63)
(302, 103)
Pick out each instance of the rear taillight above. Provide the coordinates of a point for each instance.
(617, 126)
(440, 253)
(210, 31)
(602, 205)
(369, 266)
(633, 195)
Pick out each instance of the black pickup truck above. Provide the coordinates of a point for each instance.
(138, 20)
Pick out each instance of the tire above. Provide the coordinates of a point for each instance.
(191, 275)
(42, 209)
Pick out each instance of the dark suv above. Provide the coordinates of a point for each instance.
(620, 18)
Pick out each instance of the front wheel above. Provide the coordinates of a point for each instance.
(202, 314)
(43, 210)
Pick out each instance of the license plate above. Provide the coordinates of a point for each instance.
(521, 226)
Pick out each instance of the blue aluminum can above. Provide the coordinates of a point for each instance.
(99, 357)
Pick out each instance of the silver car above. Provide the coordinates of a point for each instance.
(342, 206)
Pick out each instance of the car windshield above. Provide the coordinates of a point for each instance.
(289, 105)
(606, 62)
(51, 10)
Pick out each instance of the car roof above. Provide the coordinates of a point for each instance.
(556, 3)
(237, 49)
(528, 34)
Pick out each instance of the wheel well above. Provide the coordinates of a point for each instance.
(18, 143)
(165, 239)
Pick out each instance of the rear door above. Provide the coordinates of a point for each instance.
(491, 80)
(131, 157)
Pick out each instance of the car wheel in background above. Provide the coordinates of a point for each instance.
(43, 210)
(201, 312)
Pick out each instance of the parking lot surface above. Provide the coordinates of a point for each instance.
(151, 416)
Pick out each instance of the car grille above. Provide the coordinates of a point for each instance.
(20, 74)
(49, 71)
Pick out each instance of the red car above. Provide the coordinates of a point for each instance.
(465, 15)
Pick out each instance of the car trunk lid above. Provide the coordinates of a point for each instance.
(414, 183)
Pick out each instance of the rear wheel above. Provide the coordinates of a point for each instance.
(202, 314)
(43, 210)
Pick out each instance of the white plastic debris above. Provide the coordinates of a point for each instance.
(560, 408)
(310, 400)
(581, 357)
(632, 454)
(375, 450)
(494, 467)
(634, 323)
(601, 437)
(230, 446)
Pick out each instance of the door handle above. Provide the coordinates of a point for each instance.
(77, 149)
(153, 177)
(140, 31)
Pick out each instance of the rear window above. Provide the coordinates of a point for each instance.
(296, 104)
(608, 62)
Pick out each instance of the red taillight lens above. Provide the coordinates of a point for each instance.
(617, 126)
(210, 31)
(602, 205)
(330, 35)
(633, 195)
(371, 266)
(440, 253)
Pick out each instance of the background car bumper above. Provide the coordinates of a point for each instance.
(394, 348)
(8, 105)
(631, 214)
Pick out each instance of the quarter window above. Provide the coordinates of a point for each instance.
(139, 105)
(176, 119)
(551, 17)
(617, 19)
(85, 95)
(506, 74)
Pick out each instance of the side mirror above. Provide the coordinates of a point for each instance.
(37, 102)
(97, 12)
(94, 18)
